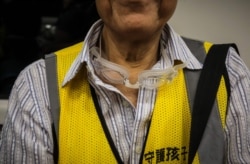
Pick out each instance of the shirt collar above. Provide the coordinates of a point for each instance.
(176, 49)
(173, 46)
(84, 56)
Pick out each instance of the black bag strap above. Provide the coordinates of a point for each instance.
(213, 69)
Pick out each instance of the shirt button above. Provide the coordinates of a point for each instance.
(138, 149)
(126, 104)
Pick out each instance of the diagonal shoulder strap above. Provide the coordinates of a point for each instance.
(214, 68)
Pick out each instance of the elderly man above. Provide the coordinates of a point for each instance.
(123, 96)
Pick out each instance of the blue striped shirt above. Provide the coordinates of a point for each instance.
(27, 135)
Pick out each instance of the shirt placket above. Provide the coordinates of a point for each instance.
(141, 123)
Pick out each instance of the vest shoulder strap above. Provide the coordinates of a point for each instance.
(213, 69)
(51, 73)
(50, 62)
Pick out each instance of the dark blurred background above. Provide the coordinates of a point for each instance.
(29, 29)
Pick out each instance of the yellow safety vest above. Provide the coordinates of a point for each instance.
(82, 137)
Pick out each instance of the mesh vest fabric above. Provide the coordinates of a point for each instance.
(82, 138)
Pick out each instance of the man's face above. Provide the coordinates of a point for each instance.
(133, 16)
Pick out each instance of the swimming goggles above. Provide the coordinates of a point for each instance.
(117, 74)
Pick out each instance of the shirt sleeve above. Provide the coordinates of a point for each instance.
(238, 118)
(26, 135)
